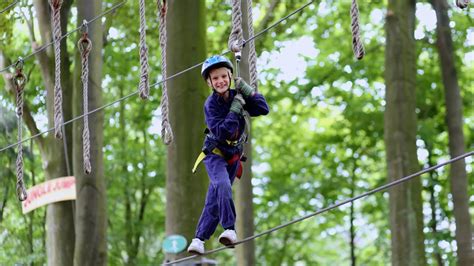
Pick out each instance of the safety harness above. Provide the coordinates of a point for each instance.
(210, 146)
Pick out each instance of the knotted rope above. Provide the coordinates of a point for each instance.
(58, 112)
(20, 81)
(85, 46)
(236, 39)
(357, 46)
(166, 132)
(462, 3)
(144, 86)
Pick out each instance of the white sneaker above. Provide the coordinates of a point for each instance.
(196, 246)
(228, 238)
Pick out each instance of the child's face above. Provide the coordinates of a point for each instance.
(219, 79)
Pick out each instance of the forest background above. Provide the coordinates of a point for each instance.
(322, 142)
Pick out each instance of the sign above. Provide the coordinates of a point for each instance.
(59, 189)
(174, 244)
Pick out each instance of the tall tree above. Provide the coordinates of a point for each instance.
(185, 192)
(243, 192)
(91, 218)
(59, 216)
(454, 121)
(406, 220)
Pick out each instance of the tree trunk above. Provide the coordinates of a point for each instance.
(243, 190)
(406, 220)
(91, 218)
(185, 192)
(59, 216)
(454, 117)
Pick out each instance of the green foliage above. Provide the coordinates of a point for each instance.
(321, 144)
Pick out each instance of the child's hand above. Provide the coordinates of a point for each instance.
(242, 87)
(237, 104)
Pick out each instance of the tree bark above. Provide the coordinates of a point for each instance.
(454, 117)
(91, 217)
(406, 220)
(244, 190)
(185, 192)
(59, 216)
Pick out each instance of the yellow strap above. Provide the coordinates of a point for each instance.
(202, 155)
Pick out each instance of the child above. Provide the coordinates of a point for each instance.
(223, 147)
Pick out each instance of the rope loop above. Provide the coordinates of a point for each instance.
(21, 191)
(144, 85)
(56, 4)
(236, 39)
(58, 97)
(166, 130)
(462, 3)
(85, 46)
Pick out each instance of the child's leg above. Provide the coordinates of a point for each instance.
(217, 169)
(210, 216)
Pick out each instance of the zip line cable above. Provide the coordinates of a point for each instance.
(69, 33)
(153, 85)
(9, 6)
(333, 206)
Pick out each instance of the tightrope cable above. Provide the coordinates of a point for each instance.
(8, 7)
(333, 206)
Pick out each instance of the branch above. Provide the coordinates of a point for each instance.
(29, 23)
(268, 16)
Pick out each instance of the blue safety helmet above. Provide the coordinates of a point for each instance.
(214, 62)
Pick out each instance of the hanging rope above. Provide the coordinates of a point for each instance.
(252, 53)
(20, 81)
(144, 86)
(236, 38)
(357, 45)
(462, 3)
(85, 46)
(166, 132)
(130, 95)
(58, 98)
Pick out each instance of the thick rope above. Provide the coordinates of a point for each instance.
(357, 45)
(20, 81)
(252, 53)
(85, 46)
(58, 98)
(166, 132)
(462, 3)
(236, 38)
(144, 86)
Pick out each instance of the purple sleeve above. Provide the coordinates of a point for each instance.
(222, 123)
(256, 105)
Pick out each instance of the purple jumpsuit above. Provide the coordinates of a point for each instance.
(223, 125)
